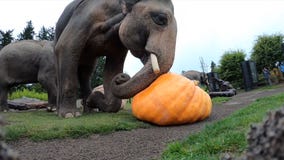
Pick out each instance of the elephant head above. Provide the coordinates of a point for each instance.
(149, 32)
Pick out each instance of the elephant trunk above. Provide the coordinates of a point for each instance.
(160, 48)
(135, 84)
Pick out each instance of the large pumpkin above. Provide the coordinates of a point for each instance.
(170, 100)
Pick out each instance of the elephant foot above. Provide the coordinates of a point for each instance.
(4, 109)
(50, 108)
(72, 115)
(69, 113)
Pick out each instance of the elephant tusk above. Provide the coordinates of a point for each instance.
(155, 64)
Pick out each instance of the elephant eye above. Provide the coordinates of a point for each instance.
(160, 19)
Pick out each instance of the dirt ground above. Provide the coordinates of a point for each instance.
(139, 144)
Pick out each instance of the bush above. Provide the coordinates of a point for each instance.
(29, 94)
(230, 69)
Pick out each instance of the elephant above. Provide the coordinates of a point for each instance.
(196, 75)
(88, 29)
(28, 61)
(91, 102)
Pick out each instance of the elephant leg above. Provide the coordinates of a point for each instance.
(84, 75)
(51, 101)
(3, 98)
(108, 102)
(67, 80)
(67, 87)
(113, 23)
(111, 26)
(68, 51)
(50, 86)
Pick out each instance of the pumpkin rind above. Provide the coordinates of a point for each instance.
(170, 100)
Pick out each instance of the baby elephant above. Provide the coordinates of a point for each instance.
(27, 61)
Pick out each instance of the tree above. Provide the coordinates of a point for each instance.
(46, 33)
(28, 32)
(267, 50)
(6, 38)
(203, 65)
(230, 67)
(97, 76)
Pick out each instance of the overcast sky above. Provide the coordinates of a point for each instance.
(206, 28)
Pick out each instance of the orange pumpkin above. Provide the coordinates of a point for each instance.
(170, 100)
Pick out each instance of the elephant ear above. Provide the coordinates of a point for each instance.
(127, 5)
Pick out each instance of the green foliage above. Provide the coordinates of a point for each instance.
(28, 32)
(42, 125)
(19, 87)
(97, 76)
(6, 38)
(37, 87)
(225, 136)
(267, 51)
(230, 67)
(28, 93)
(46, 33)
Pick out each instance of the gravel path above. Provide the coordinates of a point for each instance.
(139, 144)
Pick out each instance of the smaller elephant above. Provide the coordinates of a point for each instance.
(27, 61)
(195, 75)
(99, 90)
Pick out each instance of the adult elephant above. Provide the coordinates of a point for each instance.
(88, 29)
(27, 61)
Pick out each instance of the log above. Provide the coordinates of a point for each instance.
(26, 104)
(229, 93)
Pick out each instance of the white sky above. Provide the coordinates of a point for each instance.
(206, 28)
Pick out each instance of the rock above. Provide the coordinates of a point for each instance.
(266, 140)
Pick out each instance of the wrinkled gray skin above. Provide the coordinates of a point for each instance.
(195, 75)
(91, 101)
(88, 29)
(25, 62)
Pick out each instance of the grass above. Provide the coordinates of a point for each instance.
(28, 93)
(228, 135)
(218, 100)
(225, 136)
(267, 87)
(41, 125)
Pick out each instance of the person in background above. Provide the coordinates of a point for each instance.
(266, 75)
(281, 66)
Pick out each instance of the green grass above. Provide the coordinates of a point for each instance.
(218, 100)
(267, 87)
(41, 125)
(29, 94)
(225, 136)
